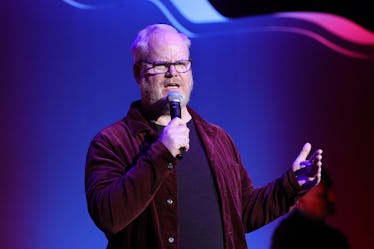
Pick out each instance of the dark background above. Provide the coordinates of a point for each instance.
(359, 11)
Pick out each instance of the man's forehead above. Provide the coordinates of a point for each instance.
(165, 37)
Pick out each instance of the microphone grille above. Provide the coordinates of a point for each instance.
(175, 96)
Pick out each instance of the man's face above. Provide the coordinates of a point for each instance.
(155, 86)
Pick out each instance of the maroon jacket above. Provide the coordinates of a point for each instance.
(130, 175)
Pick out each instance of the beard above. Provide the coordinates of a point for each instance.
(154, 104)
(154, 100)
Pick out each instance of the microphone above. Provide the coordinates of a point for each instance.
(174, 99)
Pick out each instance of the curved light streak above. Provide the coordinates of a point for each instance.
(320, 39)
(199, 11)
(360, 35)
(85, 6)
(339, 26)
(172, 19)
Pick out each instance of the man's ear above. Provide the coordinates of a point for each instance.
(136, 70)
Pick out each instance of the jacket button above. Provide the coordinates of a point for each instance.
(171, 240)
(170, 165)
(169, 201)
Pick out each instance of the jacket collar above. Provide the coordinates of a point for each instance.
(137, 122)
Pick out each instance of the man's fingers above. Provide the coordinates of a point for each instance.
(308, 172)
(317, 155)
(176, 121)
(309, 183)
(314, 159)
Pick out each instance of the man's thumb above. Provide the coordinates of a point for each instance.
(304, 152)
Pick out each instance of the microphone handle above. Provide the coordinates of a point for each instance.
(175, 111)
(181, 153)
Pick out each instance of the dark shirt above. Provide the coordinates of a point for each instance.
(130, 176)
(199, 215)
(299, 231)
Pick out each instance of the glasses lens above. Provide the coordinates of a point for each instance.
(182, 66)
(160, 68)
(163, 67)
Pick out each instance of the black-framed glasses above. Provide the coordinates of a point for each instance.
(158, 67)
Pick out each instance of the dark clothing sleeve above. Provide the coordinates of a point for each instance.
(124, 170)
(109, 190)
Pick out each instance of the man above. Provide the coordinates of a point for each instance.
(141, 196)
(306, 226)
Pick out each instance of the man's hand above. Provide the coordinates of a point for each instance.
(175, 136)
(308, 172)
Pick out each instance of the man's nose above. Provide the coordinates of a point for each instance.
(171, 71)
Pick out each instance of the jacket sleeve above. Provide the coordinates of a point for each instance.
(121, 181)
(258, 205)
(261, 205)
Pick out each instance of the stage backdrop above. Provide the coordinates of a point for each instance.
(274, 81)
